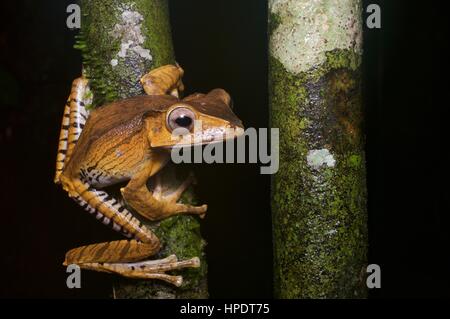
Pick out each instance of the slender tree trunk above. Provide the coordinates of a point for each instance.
(319, 193)
(120, 41)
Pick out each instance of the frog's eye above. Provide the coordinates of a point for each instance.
(181, 117)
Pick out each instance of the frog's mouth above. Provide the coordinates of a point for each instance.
(207, 136)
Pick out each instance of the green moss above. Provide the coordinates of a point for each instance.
(335, 60)
(354, 161)
(274, 22)
(343, 59)
(99, 47)
(319, 215)
(157, 29)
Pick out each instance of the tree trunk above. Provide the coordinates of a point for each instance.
(120, 41)
(319, 193)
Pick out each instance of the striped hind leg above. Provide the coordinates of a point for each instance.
(120, 257)
(73, 121)
(95, 257)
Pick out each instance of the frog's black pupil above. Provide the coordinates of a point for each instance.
(184, 121)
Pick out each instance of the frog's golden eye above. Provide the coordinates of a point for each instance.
(181, 117)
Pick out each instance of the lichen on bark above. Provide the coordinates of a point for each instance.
(319, 193)
(109, 25)
(120, 41)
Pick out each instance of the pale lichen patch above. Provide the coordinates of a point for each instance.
(331, 232)
(129, 31)
(317, 158)
(310, 28)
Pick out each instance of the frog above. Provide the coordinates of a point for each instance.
(129, 141)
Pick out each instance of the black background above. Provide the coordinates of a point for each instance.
(223, 43)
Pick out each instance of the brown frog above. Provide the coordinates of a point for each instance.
(130, 140)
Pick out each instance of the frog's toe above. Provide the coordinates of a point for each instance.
(189, 209)
(148, 269)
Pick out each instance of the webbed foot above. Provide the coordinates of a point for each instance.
(149, 269)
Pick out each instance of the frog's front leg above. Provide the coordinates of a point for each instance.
(157, 205)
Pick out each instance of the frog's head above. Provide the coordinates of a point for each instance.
(195, 120)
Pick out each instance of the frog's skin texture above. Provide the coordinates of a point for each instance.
(130, 140)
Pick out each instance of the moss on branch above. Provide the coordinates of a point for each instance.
(319, 193)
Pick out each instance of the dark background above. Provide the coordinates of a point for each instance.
(222, 43)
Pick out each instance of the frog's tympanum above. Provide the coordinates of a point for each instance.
(130, 140)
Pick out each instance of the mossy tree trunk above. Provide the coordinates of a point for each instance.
(120, 41)
(319, 193)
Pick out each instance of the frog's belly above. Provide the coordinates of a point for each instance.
(100, 178)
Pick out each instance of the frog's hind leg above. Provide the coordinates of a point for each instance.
(108, 210)
(120, 257)
(73, 121)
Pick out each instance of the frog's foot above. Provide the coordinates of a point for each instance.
(164, 80)
(149, 269)
(159, 205)
(125, 258)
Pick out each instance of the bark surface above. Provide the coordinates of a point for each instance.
(319, 193)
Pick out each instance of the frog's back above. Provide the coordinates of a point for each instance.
(116, 114)
(118, 120)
